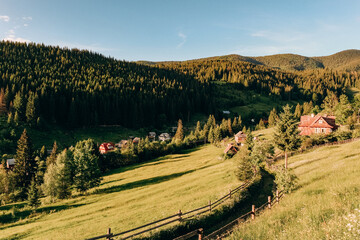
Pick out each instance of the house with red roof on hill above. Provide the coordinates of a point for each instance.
(106, 147)
(311, 124)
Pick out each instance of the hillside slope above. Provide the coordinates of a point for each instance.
(328, 193)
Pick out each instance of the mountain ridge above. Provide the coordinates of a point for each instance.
(348, 60)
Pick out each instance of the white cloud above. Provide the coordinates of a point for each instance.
(183, 38)
(5, 18)
(25, 25)
(27, 18)
(10, 36)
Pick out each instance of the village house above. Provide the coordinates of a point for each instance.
(121, 144)
(240, 137)
(164, 137)
(311, 124)
(152, 136)
(106, 147)
(230, 149)
(136, 140)
(9, 164)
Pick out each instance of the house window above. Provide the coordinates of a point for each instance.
(317, 130)
(323, 130)
(320, 121)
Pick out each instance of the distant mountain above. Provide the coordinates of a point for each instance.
(348, 60)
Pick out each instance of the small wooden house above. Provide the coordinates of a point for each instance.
(10, 163)
(121, 144)
(240, 137)
(152, 136)
(164, 137)
(136, 140)
(231, 149)
(311, 124)
(106, 147)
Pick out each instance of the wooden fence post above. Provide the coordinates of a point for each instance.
(269, 202)
(210, 205)
(253, 212)
(109, 237)
(277, 196)
(180, 213)
(200, 234)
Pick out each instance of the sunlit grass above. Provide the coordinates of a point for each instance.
(329, 190)
(132, 196)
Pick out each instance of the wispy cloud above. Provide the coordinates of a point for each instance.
(11, 36)
(5, 18)
(183, 38)
(27, 18)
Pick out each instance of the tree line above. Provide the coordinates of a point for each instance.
(80, 88)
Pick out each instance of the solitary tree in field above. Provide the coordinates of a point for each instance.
(286, 134)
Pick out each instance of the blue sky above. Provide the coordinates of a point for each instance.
(185, 29)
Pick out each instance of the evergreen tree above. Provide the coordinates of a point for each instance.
(249, 139)
(87, 171)
(261, 125)
(19, 106)
(25, 166)
(272, 118)
(33, 195)
(235, 125)
(298, 111)
(230, 133)
(217, 134)
(31, 109)
(330, 102)
(343, 110)
(211, 135)
(52, 157)
(198, 129)
(180, 131)
(286, 136)
(64, 174)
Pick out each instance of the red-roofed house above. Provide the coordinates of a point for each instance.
(106, 147)
(240, 137)
(231, 149)
(310, 124)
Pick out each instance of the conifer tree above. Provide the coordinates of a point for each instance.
(286, 135)
(31, 109)
(272, 118)
(217, 134)
(52, 157)
(211, 135)
(33, 195)
(197, 129)
(298, 111)
(25, 166)
(87, 171)
(230, 127)
(235, 125)
(19, 106)
(180, 131)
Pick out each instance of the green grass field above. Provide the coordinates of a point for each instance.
(129, 197)
(325, 205)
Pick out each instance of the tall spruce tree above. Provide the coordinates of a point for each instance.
(52, 157)
(272, 118)
(180, 131)
(286, 135)
(33, 195)
(25, 165)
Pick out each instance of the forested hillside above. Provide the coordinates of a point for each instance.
(306, 85)
(79, 88)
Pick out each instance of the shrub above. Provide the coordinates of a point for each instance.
(285, 180)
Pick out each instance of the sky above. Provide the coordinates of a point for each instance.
(169, 30)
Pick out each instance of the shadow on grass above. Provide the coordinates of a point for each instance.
(142, 183)
(13, 205)
(19, 214)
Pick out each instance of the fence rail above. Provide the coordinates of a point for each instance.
(178, 217)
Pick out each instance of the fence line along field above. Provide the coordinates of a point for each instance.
(326, 204)
(129, 197)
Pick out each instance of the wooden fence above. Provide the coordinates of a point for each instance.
(281, 156)
(178, 217)
(228, 228)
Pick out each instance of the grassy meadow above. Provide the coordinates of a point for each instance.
(128, 197)
(325, 204)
